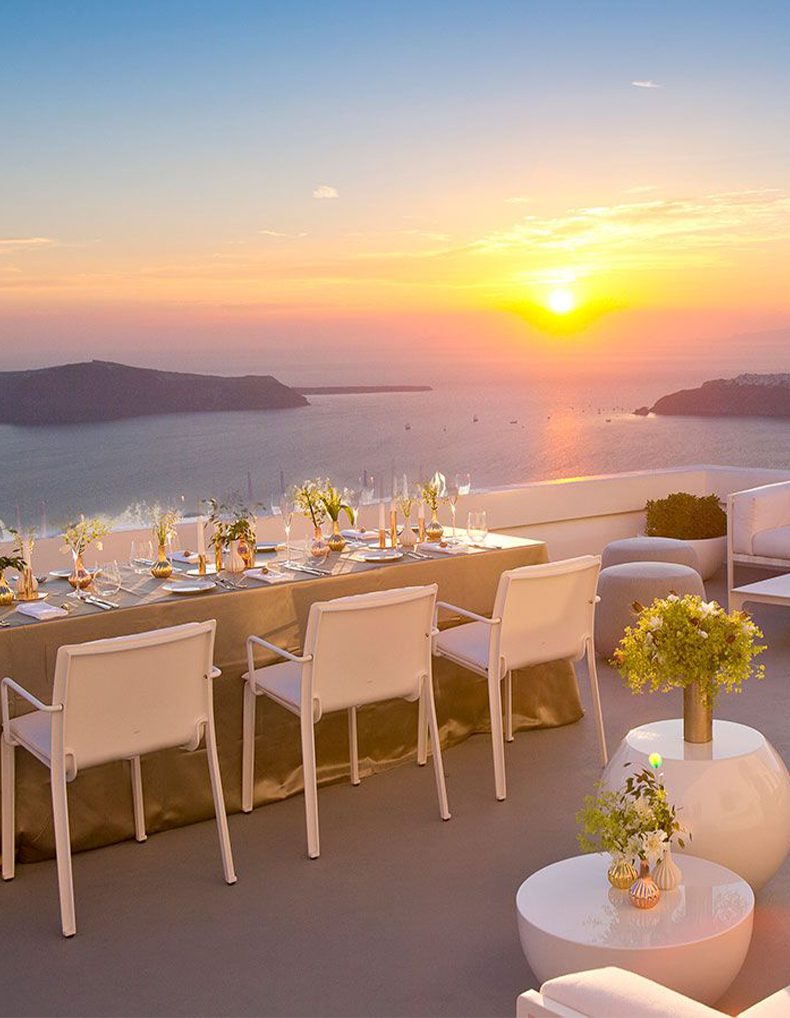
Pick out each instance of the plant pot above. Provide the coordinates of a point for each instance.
(711, 554)
(6, 593)
(666, 873)
(644, 893)
(162, 568)
(622, 874)
(336, 541)
(434, 531)
(80, 577)
(697, 717)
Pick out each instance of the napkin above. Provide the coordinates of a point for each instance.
(41, 610)
(360, 535)
(270, 577)
(186, 556)
(450, 549)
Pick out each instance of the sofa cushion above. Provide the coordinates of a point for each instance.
(775, 1006)
(758, 509)
(615, 993)
(774, 543)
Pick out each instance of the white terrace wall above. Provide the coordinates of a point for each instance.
(573, 515)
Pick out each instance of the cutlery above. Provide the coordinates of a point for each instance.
(98, 602)
(487, 547)
(418, 554)
(305, 569)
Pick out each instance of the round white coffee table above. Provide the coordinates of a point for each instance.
(733, 793)
(695, 939)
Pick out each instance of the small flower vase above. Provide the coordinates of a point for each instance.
(666, 873)
(26, 585)
(697, 717)
(644, 893)
(235, 562)
(336, 541)
(162, 568)
(6, 593)
(218, 556)
(434, 531)
(80, 577)
(407, 538)
(622, 874)
(319, 548)
(247, 552)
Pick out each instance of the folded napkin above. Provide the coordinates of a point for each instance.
(41, 610)
(186, 556)
(449, 549)
(352, 534)
(270, 577)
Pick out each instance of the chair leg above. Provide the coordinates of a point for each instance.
(438, 766)
(248, 749)
(60, 817)
(422, 731)
(353, 744)
(219, 805)
(137, 799)
(509, 707)
(497, 735)
(596, 702)
(310, 783)
(8, 795)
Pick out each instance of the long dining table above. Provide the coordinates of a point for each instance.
(176, 784)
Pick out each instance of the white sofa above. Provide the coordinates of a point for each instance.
(615, 993)
(758, 528)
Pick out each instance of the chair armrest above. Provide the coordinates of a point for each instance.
(466, 614)
(277, 650)
(8, 683)
(215, 673)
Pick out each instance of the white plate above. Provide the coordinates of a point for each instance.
(382, 555)
(210, 571)
(60, 574)
(40, 596)
(181, 587)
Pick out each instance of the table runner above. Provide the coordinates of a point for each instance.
(176, 783)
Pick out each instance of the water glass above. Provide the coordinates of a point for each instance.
(141, 556)
(477, 527)
(107, 579)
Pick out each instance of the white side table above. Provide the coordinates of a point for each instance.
(733, 793)
(695, 939)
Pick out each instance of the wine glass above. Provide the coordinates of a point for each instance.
(107, 579)
(141, 556)
(286, 508)
(452, 497)
(477, 528)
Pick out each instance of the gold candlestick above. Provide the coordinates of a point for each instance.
(394, 527)
(202, 565)
(421, 529)
(382, 538)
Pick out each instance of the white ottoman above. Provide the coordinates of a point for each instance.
(619, 586)
(649, 549)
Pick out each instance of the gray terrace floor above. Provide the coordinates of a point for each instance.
(401, 915)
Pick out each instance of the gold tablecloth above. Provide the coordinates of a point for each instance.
(176, 783)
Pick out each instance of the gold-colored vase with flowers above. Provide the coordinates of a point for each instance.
(77, 538)
(334, 502)
(163, 525)
(433, 493)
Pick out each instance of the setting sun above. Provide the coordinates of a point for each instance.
(561, 302)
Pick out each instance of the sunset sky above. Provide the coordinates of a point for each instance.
(258, 186)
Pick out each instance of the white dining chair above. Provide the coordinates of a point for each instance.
(541, 613)
(114, 699)
(358, 650)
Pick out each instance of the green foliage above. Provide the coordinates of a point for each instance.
(635, 823)
(309, 500)
(164, 523)
(11, 562)
(434, 491)
(332, 501)
(232, 520)
(685, 517)
(680, 640)
(81, 534)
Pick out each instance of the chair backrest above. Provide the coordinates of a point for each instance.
(754, 510)
(134, 694)
(368, 647)
(547, 611)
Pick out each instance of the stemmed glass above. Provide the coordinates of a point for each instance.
(477, 528)
(462, 485)
(286, 508)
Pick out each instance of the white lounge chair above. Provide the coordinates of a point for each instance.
(758, 529)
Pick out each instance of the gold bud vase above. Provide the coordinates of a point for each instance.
(162, 568)
(434, 531)
(697, 717)
(27, 585)
(80, 577)
(622, 874)
(336, 540)
(6, 593)
(644, 892)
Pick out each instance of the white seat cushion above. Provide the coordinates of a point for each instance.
(774, 543)
(34, 732)
(467, 644)
(775, 1006)
(615, 993)
(282, 682)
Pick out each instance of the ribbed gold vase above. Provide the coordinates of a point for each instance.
(622, 874)
(644, 892)
(162, 568)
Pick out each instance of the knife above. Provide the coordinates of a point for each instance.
(306, 569)
(100, 602)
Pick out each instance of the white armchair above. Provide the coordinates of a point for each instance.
(614, 993)
(758, 528)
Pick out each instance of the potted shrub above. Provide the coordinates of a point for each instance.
(699, 520)
(694, 645)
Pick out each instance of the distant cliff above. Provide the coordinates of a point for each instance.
(744, 396)
(104, 391)
(356, 390)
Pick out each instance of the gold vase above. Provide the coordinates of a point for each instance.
(622, 874)
(336, 540)
(80, 577)
(644, 892)
(162, 568)
(434, 531)
(319, 548)
(218, 556)
(6, 593)
(697, 717)
(247, 552)
(27, 585)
